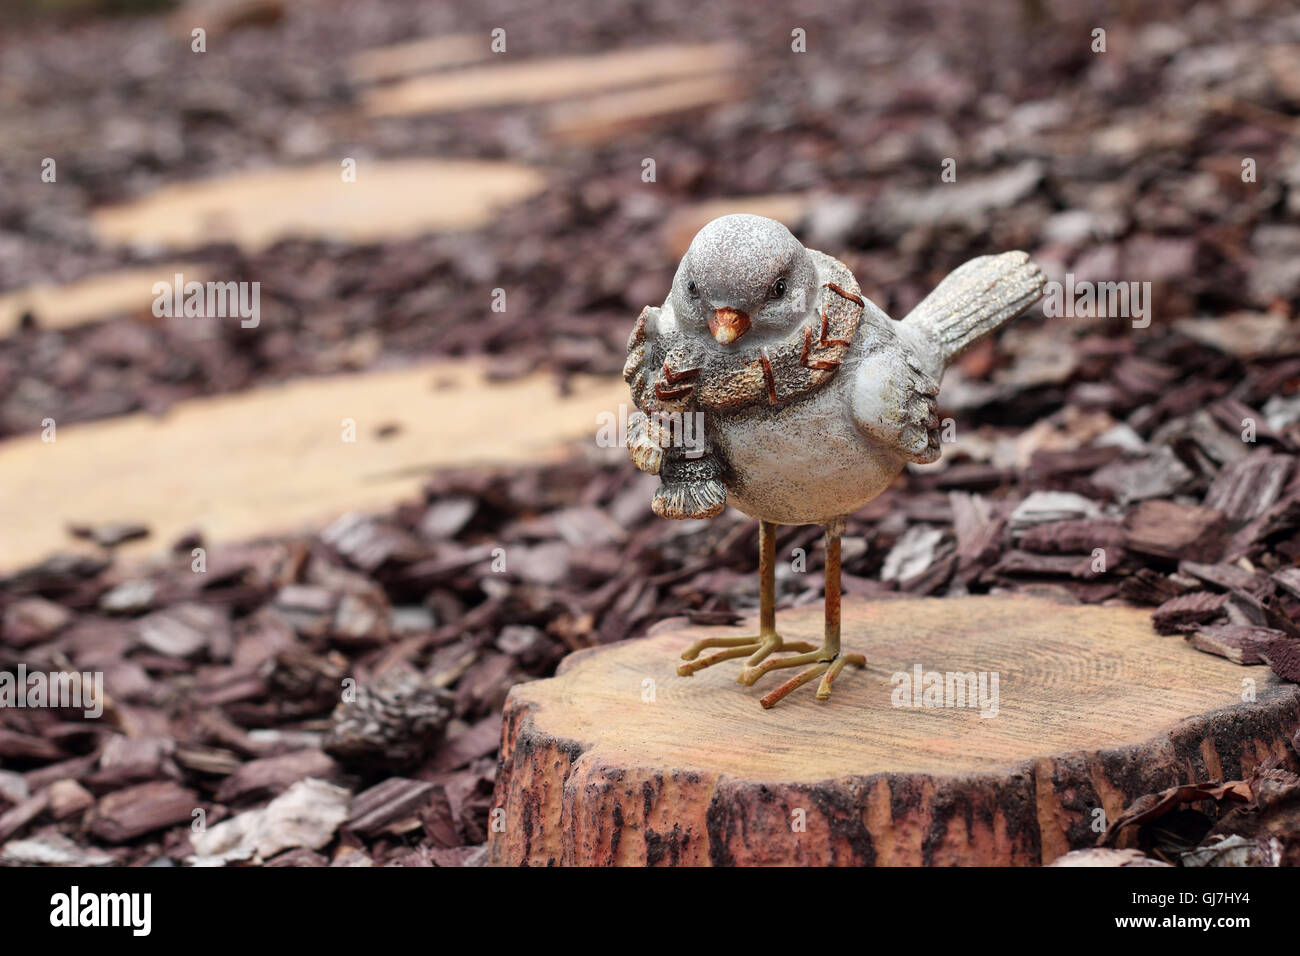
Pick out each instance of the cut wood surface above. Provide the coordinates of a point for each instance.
(94, 297)
(545, 80)
(389, 199)
(619, 761)
(417, 56)
(611, 115)
(273, 460)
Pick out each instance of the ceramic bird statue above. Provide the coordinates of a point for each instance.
(811, 401)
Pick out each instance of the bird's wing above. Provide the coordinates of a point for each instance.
(639, 373)
(894, 401)
(639, 369)
(657, 388)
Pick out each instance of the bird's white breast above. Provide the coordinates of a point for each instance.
(806, 463)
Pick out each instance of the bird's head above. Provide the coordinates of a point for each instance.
(745, 280)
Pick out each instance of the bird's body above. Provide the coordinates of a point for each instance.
(812, 461)
(776, 477)
(812, 399)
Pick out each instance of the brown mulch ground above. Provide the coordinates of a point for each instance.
(1109, 165)
(1077, 440)
(224, 685)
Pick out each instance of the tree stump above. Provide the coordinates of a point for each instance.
(617, 760)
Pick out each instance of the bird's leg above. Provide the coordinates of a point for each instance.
(827, 660)
(757, 646)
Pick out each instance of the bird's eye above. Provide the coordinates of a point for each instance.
(691, 288)
(778, 289)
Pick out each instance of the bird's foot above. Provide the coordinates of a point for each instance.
(755, 646)
(826, 665)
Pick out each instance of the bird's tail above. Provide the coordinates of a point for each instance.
(975, 300)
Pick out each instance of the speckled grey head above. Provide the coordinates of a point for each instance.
(744, 281)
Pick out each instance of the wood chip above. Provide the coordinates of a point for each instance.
(1188, 610)
(33, 619)
(68, 798)
(1155, 476)
(1077, 537)
(1242, 644)
(1289, 580)
(16, 817)
(478, 740)
(273, 775)
(51, 848)
(14, 745)
(394, 799)
(183, 630)
(1245, 489)
(305, 815)
(126, 814)
(1101, 856)
(1223, 575)
(1283, 657)
(1164, 529)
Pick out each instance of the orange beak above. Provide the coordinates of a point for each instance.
(728, 324)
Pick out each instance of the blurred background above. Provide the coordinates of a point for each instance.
(453, 213)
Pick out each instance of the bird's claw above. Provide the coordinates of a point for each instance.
(755, 646)
(827, 670)
(759, 647)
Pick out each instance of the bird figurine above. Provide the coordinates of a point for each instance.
(768, 382)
